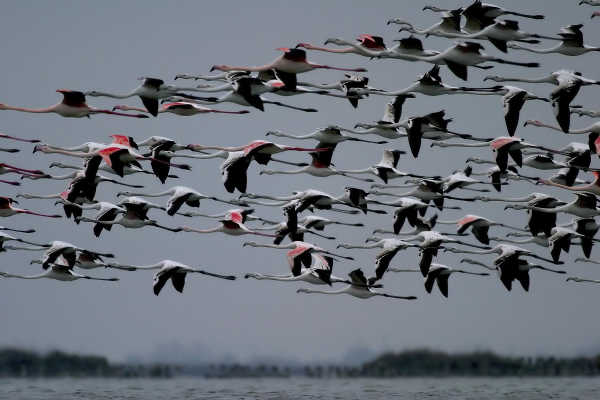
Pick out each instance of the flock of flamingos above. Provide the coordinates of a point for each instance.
(410, 223)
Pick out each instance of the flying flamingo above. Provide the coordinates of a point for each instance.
(513, 268)
(179, 195)
(130, 219)
(319, 167)
(427, 190)
(150, 91)
(231, 225)
(513, 99)
(67, 251)
(467, 54)
(593, 187)
(181, 108)
(505, 252)
(7, 209)
(571, 44)
(319, 272)
(299, 251)
(408, 209)
(320, 200)
(561, 239)
(438, 273)
(358, 288)
(593, 130)
(58, 272)
(480, 226)
(448, 27)
(365, 45)
(4, 237)
(73, 105)
(386, 169)
(420, 224)
(292, 61)
(327, 137)
(504, 146)
(390, 246)
(583, 206)
(116, 157)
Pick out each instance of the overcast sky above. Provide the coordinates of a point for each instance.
(84, 46)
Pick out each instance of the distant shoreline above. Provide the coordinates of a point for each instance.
(419, 363)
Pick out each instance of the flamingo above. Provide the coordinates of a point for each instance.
(7, 209)
(319, 223)
(593, 187)
(299, 251)
(179, 195)
(504, 146)
(4, 237)
(569, 83)
(583, 206)
(231, 225)
(593, 131)
(513, 268)
(319, 167)
(465, 54)
(149, 91)
(429, 84)
(327, 137)
(390, 246)
(538, 221)
(430, 243)
(365, 45)
(561, 239)
(169, 269)
(405, 49)
(319, 272)
(320, 200)
(84, 260)
(242, 94)
(67, 251)
(181, 108)
(479, 226)
(448, 27)
(73, 105)
(539, 239)
(391, 115)
(588, 228)
(116, 157)
(513, 99)
(505, 252)
(439, 273)
(502, 31)
(358, 288)
(131, 219)
(570, 45)
(259, 150)
(427, 190)
(292, 61)
(386, 169)
(421, 224)
(58, 272)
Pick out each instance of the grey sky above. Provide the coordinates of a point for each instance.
(80, 45)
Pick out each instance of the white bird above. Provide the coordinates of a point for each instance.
(571, 44)
(150, 92)
(358, 288)
(57, 272)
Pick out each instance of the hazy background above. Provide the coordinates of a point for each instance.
(83, 46)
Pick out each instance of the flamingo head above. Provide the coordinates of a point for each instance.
(333, 41)
(533, 122)
(219, 68)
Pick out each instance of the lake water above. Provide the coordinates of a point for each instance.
(299, 388)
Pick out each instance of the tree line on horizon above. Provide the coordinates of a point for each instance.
(411, 363)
